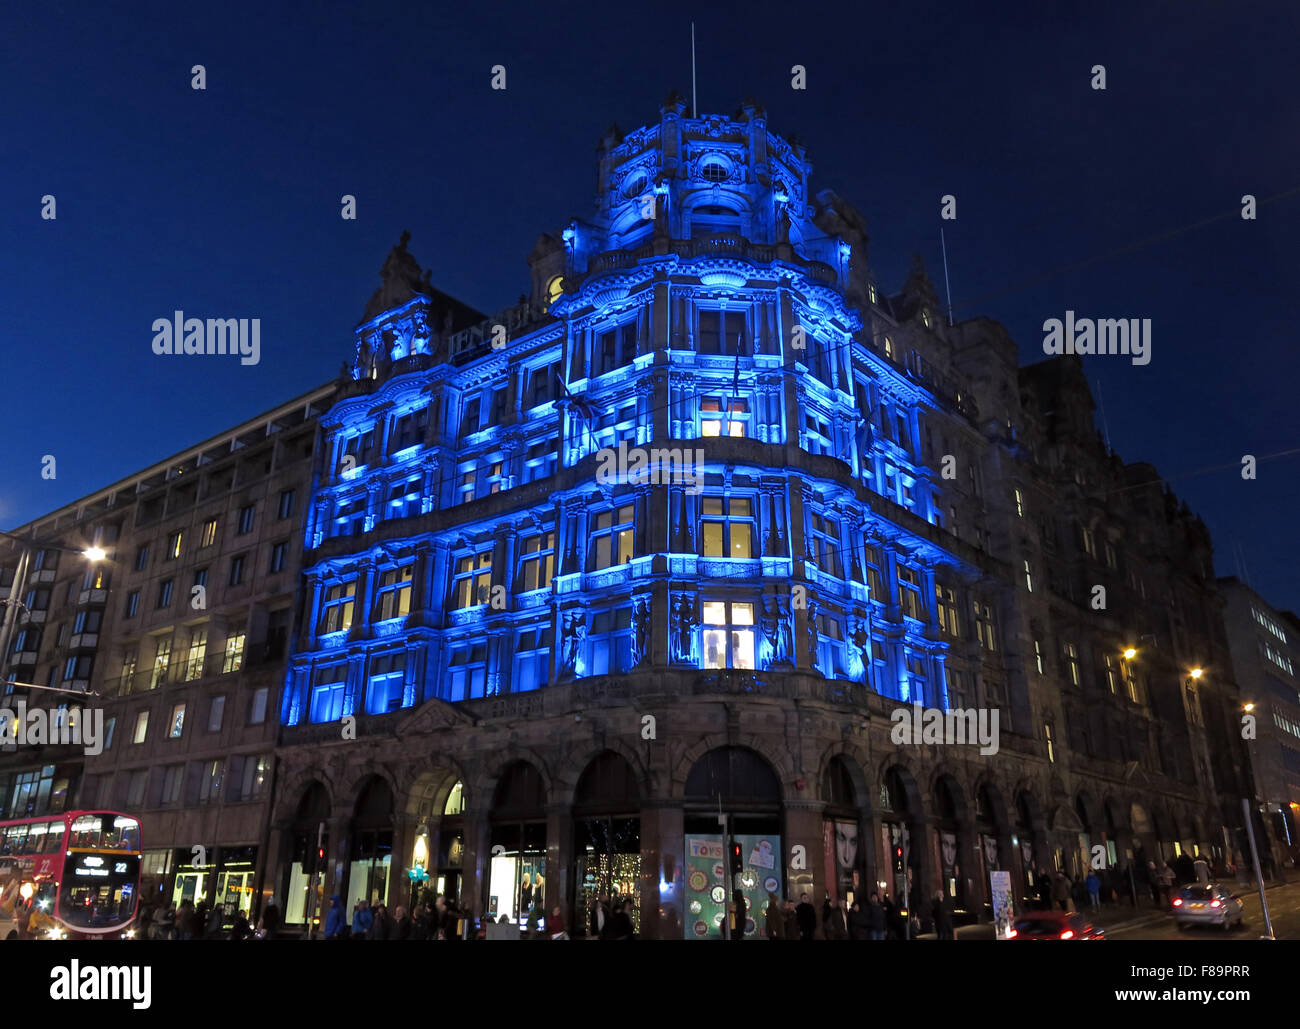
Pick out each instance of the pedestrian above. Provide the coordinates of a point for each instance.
(271, 919)
(534, 916)
(555, 925)
(167, 928)
(382, 929)
(1201, 870)
(876, 921)
(185, 920)
(1044, 886)
(199, 920)
(790, 921)
(834, 926)
(362, 919)
(600, 915)
(1167, 880)
(215, 927)
(1153, 881)
(334, 918)
(420, 923)
(806, 915)
(1061, 891)
(739, 912)
(773, 923)
(401, 924)
(620, 923)
(1094, 890)
(941, 917)
(241, 929)
(859, 923)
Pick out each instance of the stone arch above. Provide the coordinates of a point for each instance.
(781, 763)
(361, 779)
(761, 768)
(855, 771)
(989, 799)
(944, 779)
(906, 784)
(631, 797)
(427, 793)
(577, 761)
(292, 791)
(486, 783)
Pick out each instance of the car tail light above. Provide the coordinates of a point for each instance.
(1216, 903)
(1068, 934)
(1011, 933)
(1178, 902)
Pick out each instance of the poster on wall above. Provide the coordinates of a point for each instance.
(709, 893)
(1003, 908)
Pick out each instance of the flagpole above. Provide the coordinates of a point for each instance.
(694, 110)
(946, 284)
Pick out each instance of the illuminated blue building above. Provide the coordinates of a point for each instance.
(561, 671)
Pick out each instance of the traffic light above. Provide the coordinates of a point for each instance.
(898, 859)
(737, 864)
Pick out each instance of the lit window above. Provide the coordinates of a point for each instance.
(1038, 656)
(233, 659)
(209, 535)
(728, 635)
(198, 650)
(611, 538)
(177, 722)
(945, 599)
(393, 596)
(141, 727)
(174, 544)
(909, 593)
(824, 544)
(161, 660)
(1020, 506)
(328, 693)
(537, 564)
(728, 527)
(889, 348)
(1051, 748)
(1072, 663)
(472, 582)
(387, 681)
(724, 416)
(336, 608)
(553, 289)
(1029, 578)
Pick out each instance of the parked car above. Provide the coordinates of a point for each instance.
(1055, 925)
(1208, 904)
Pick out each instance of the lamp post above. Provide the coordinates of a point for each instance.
(9, 619)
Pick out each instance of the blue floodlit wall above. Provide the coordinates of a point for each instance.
(475, 529)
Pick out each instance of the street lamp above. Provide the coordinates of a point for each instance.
(9, 608)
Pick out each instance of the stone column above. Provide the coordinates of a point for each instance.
(805, 868)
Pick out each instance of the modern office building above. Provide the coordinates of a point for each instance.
(1265, 646)
(179, 638)
(633, 581)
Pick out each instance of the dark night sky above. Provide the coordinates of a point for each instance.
(225, 203)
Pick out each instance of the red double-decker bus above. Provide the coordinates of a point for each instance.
(71, 875)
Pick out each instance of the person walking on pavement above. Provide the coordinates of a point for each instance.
(382, 929)
(859, 923)
(271, 919)
(941, 917)
(362, 920)
(739, 912)
(876, 920)
(773, 923)
(1094, 890)
(833, 921)
(790, 920)
(806, 915)
(1061, 891)
(334, 918)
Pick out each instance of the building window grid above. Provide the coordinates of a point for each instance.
(727, 527)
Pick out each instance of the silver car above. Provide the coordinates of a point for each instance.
(1207, 904)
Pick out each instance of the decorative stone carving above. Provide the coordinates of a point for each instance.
(572, 633)
(640, 630)
(684, 623)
